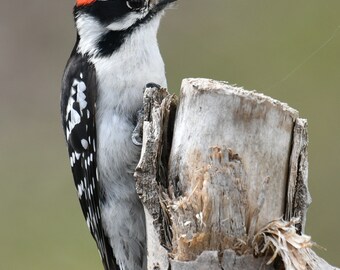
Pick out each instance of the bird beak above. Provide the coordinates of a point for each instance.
(159, 4)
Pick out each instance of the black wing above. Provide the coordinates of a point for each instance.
(78, 99)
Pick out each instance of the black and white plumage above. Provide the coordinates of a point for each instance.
(116, 54)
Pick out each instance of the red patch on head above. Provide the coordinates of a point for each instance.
(84, 2)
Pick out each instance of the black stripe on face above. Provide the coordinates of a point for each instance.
(112, 41)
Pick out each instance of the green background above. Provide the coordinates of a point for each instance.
(272, 46)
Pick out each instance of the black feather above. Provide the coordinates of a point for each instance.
(80, 133)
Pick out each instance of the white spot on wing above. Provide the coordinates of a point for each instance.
(88, 222)
(97, 174)
(84, 143)
(73, 91)
(71, 161)
(72, 116)
(80, 189)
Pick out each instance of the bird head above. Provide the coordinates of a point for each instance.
(119, 15)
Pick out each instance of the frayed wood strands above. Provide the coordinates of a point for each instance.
(280, 238)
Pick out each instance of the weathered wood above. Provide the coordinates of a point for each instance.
(159, 109)
(227, 142)
(298, 197)
(230, 261)
(238, 163)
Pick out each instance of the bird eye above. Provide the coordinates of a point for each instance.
(136, 4)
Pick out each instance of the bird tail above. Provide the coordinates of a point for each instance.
(108, 259)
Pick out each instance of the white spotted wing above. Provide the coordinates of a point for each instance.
(78, 116)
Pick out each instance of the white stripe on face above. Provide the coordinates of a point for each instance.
(124, 23)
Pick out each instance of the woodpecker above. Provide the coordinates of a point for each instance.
(115, 55)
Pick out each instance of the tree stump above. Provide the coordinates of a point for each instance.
(223, 179)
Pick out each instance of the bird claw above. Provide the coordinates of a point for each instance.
(153, 85)
(137, 133)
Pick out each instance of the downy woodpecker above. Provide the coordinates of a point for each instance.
(116, 54)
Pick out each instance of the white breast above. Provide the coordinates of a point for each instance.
(123, 76)
(121, 80)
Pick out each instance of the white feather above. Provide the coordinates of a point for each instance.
(90, 30)
(126, 22)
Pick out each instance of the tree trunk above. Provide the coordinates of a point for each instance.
(216, 177)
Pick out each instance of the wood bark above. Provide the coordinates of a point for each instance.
(217, 172)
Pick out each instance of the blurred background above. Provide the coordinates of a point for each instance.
(289, 50)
